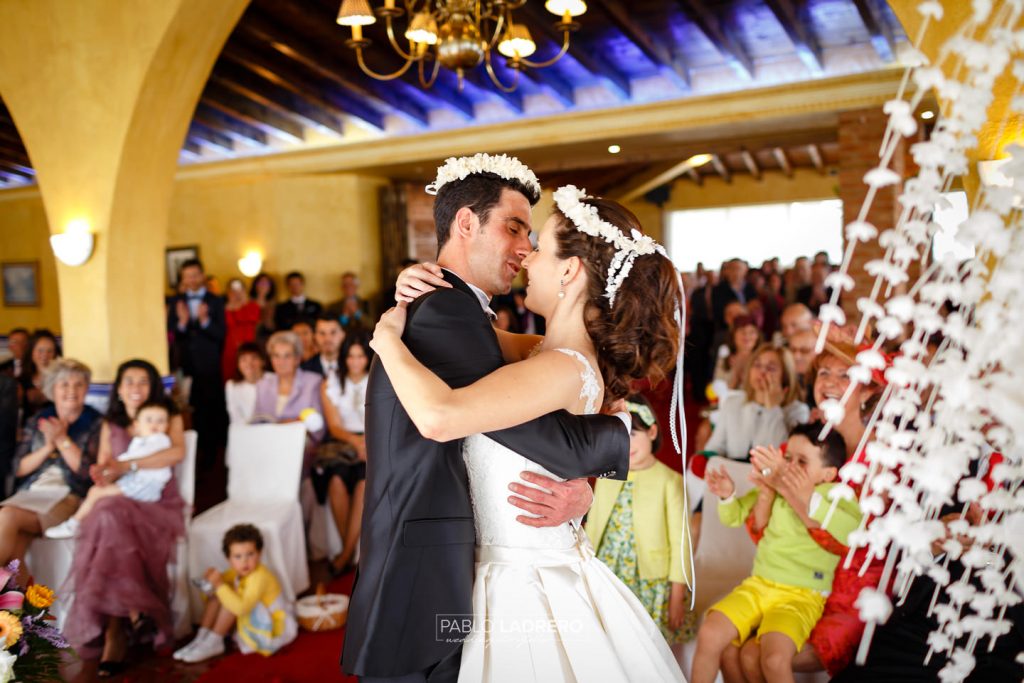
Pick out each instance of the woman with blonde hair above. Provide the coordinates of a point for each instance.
(767, 409)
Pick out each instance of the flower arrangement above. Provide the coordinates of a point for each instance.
(942, 415)
(27, 638)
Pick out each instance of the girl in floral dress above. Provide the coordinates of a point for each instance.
(637, 526)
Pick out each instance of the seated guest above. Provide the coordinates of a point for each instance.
(795, 318)
(304, 330)
(784, 597)
(351, 309)
(283, 394)
(766, 410)
(17, 344)
(814, 294)
(240, 390)
(51, 465)
(246, 596)
(744, 337)
(801, 345)
(241, 318)
(505, 320)
(340, 471)
(42, 350)
(8, 428)
(297, 306)
(328, 337)
(119, 567)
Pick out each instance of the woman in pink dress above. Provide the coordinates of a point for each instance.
(241, 317)
(119, 571)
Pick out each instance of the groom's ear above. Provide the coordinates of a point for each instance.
(465, 221)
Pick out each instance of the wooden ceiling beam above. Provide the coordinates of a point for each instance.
(235, 129)
(882, 38)
(597, 64)
(210, 138)
(9, 134)
(657, 175)
(693, 175)
(482, 80)
(783, 161)
(816, 158)
(658, 54)
(720, 168)
(15, 153)
(23, 172)
(327, 66)
(281, 72)
(248, 84)
(794, 21)
(549, 80)
(191, 149)
(723, 40)
(751, 163)
(255, 114)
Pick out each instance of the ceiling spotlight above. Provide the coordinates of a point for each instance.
(928, 115)
(614, 149)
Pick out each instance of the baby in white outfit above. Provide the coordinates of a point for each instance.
(144, 485)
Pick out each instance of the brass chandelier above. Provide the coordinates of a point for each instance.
(457, 34)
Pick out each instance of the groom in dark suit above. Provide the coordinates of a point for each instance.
(416, 568)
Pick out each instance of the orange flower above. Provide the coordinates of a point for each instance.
(10, 628)
(39, 596)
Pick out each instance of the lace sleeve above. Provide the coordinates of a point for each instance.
(591, 388)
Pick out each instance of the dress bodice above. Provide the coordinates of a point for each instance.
(492, 467)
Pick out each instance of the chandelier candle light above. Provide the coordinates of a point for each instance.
(457, 34)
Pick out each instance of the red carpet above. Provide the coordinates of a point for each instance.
(312, 657)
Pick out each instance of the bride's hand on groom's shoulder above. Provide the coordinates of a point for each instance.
(417, 280)
(391, 322)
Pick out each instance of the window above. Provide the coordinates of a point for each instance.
(755, 233)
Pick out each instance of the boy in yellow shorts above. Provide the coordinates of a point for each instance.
(785, 596)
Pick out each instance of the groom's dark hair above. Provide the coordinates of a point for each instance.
(480, 192)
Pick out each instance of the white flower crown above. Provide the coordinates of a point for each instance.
(587, 220)
(509, 168)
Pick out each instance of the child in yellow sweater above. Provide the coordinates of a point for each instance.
(247, 596)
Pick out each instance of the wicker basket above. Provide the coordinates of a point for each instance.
(322, 612)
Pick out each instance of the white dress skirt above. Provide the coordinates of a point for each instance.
(545, 609)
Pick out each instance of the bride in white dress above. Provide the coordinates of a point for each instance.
(544, 608)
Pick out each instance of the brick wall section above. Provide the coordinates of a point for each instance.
(860, 138)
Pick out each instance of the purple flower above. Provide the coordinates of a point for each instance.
(47, 633)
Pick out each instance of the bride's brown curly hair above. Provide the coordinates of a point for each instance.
(639, 336)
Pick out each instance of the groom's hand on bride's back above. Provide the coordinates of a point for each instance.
(550, 502)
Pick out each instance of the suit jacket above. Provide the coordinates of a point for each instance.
(287, 313)
(315, 364)
(722, 295)
(417, 544)
(198, 348)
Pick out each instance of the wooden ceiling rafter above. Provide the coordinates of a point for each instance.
(719, 35)
(256, 115)
(792, 17)
(210, 138)
(814, 152)
(595, 63)
(720, 168)
(237, 130)
(882, 38)
(659, 55)
(783, 161)
(751, 163)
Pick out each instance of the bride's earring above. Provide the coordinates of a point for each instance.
(561, 290)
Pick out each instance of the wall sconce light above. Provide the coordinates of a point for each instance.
(73, 247)
(251, 264)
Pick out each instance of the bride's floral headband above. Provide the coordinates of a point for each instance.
(587, 220)
(502, 165)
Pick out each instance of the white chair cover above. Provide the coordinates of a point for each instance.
(264, 471)
(185, 475)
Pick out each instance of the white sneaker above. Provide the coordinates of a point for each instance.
(201, 636)
(66, 529)
(211, 646)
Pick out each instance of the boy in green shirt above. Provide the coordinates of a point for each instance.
(785, 596)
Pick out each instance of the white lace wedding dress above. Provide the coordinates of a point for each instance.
(545, 609)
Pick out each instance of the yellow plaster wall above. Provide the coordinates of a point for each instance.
(321, 224)
(24, 236)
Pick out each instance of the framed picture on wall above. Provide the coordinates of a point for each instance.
(174, 257)
(21, 283)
